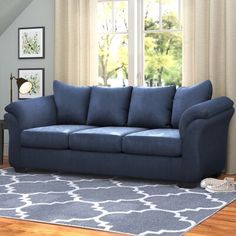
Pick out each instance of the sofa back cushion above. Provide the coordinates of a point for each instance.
(109, 106)
(151, 107)
(72, 103)
(186, 97)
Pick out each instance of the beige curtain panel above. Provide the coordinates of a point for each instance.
(209, 52)
(75, 42)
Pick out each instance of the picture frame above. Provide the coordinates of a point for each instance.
(36, 77)
(31, 43)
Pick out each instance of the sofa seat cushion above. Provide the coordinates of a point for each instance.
(159, 142)
(105, 139)
(53, 137)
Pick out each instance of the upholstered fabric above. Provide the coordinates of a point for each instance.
(205, 144)
(204, 110)
(106, 139)
(104, 163)
(167, 154)
(186, 97)
(55, 136)
(151, 107)
(24, 114)
(33, 112)
(109, 106)
(71, 102)
(159, 142)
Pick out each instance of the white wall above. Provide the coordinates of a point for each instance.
(38, 13)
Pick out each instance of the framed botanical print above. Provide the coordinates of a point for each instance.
(31, 43)
(36, 77)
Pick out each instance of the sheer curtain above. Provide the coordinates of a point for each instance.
(209, 52)
(75, 41)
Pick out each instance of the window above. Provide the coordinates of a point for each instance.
(113, 43)
(140, 39)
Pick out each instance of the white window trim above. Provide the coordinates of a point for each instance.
(136, 34)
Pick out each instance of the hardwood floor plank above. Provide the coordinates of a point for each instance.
(9, 227)
(222, 223)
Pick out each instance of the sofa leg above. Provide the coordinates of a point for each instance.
(21, 170)
(187, 185)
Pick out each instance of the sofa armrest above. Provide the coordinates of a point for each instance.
(33, 112)
(204, 110)
(204, 132)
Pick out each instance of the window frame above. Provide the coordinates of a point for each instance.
(136, 37)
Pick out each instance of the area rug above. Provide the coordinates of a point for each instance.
(129, 206)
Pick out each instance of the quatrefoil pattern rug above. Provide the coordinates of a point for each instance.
(134, 207)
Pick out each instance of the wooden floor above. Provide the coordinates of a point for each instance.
(221, 224)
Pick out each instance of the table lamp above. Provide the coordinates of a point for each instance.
(23, 85)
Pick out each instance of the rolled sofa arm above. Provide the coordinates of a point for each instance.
(204, 110)
(26, 114)
(33, 112)
(204, 131)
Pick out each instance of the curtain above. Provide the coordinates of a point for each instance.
(75, 41)
(209, 52)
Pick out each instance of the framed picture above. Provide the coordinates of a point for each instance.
(31, 42)
(36, 77)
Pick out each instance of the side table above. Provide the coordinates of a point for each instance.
(3, 126)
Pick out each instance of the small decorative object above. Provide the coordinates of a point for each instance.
(31, 42)
(36, 77)
(23, 85)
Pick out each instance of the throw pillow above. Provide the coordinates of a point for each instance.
(109, 106)
(71, 102)
(186, 97)
(151, 107)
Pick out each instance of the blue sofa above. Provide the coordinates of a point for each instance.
(159, 133)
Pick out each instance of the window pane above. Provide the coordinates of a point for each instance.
(121, 16)
(170, 14)
(151, 14)
(113, 60)
(105, 17)
(163, 58)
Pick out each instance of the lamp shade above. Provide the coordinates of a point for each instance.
(24, 86)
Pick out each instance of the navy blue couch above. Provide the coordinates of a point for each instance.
(159, 133)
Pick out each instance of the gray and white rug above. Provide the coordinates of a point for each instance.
(112, 204)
